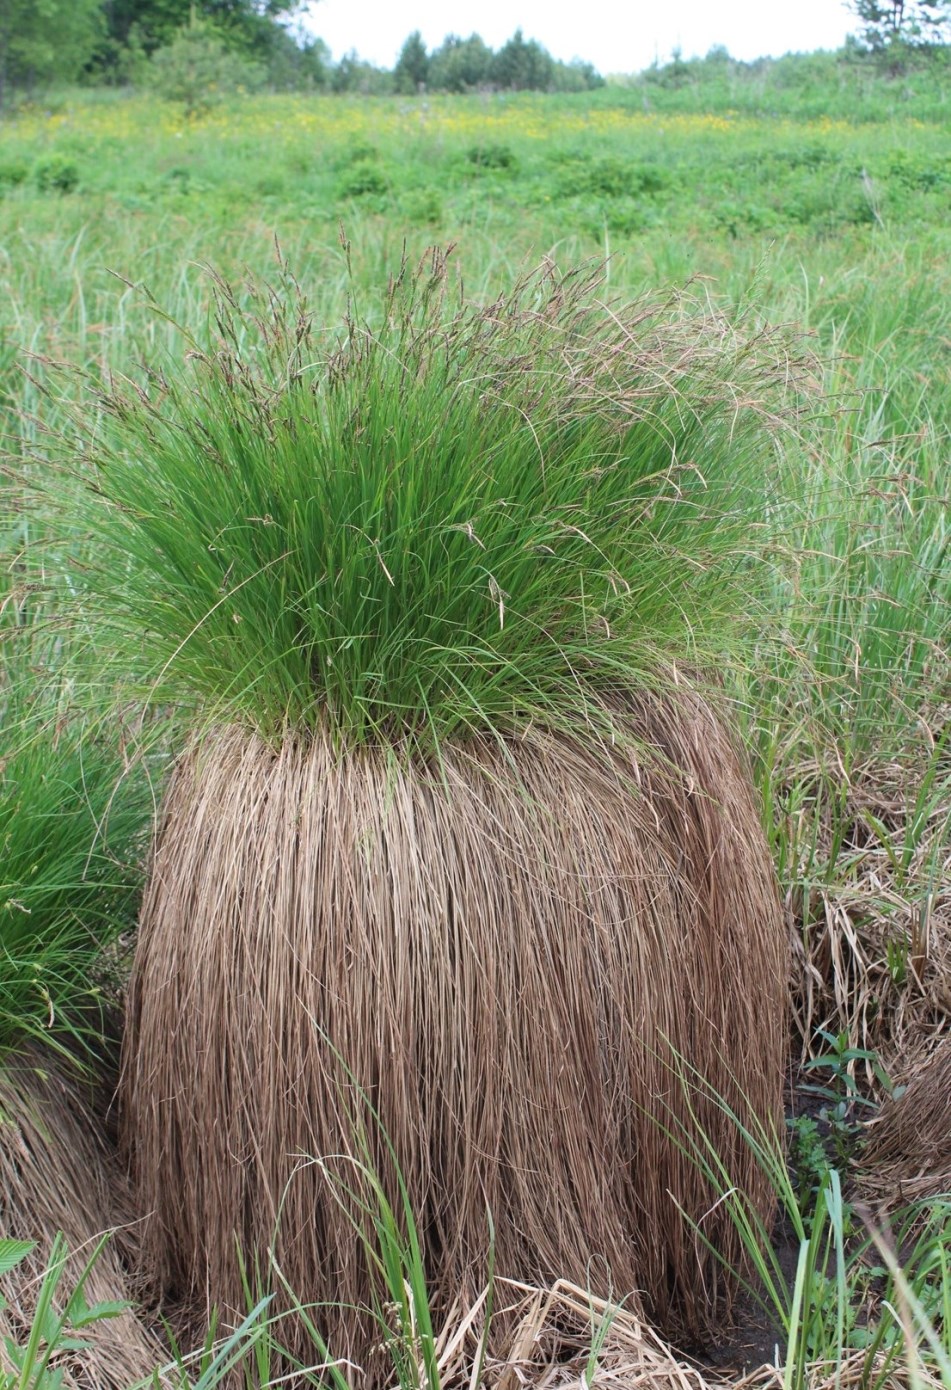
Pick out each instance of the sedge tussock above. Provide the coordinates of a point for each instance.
(503, 948)
(74, 818)
(458, 837)
(907, 1153)
(59, 1175)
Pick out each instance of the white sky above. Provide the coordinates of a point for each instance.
(614, 35)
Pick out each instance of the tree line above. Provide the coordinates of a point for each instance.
(466, 65)
(201, 45)
(113, 41)
(249, 43)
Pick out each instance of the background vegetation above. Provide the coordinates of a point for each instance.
(242, 44)
(814, 189)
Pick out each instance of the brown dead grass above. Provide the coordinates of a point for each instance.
(504, 950)
(907, 1154)
(868, 917)
(57, 1174)
(565, 1338)
(562, 1336)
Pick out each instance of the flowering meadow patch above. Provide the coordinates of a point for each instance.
(541, 167)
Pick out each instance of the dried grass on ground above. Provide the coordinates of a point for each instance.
(872, 938)
(907, 1155)
(59, 1174)
(562, 1337)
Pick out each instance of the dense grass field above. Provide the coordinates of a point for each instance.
(828, 209)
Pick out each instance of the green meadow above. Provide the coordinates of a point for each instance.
(815, 196)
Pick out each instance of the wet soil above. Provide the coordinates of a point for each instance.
(753, 1336)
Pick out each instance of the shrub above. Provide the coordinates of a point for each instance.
(198, 70)
(492, 155)
(363, 177)
(610, 176)
(54, 173)
(12, 172)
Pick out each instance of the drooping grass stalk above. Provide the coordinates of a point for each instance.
(445, 518)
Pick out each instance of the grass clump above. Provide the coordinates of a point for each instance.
(443, 518)
(73, 822)
(499, 539)
(74, 815)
